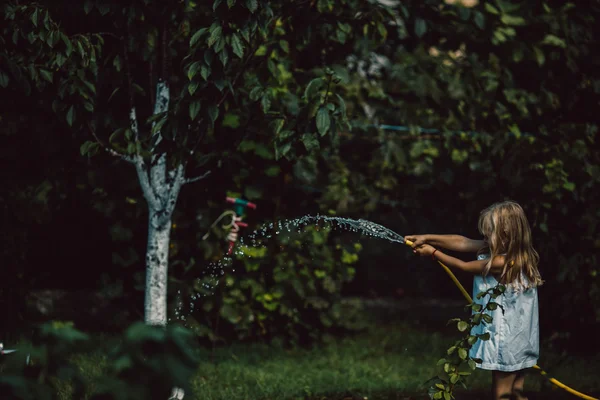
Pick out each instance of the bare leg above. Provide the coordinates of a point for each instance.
(502, 384)
(519, 383)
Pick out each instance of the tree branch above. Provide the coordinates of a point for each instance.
(197, 178)
(110, 151)
(130, 93)
(147, 189)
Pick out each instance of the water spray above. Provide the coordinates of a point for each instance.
(470, 300)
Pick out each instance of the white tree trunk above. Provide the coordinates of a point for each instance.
(161, 186)
(157, 266)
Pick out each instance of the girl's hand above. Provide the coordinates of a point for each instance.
(417, 240)
(424, 250)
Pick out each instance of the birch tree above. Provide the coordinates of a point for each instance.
(172, 89)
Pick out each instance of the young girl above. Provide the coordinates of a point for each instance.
(505, 256)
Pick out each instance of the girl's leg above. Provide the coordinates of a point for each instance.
(518, 384)
(502, 384)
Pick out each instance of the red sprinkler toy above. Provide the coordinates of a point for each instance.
(238, 214)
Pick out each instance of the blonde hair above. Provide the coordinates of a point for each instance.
(507, 232)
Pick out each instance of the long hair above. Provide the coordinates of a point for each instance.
(507, 232)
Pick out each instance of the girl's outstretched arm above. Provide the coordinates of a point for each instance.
(448, 242)
(474, 267)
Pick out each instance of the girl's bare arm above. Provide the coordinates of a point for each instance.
(448, 242)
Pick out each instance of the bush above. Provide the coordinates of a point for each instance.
(290, 289)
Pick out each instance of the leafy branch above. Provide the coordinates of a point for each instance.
(458, 365)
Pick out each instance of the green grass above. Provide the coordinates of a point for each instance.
(392, 360)
(387, 362)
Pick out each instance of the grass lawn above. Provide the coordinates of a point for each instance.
(392, 360)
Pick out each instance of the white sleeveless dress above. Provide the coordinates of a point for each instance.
(514, 335)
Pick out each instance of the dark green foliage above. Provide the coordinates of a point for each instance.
(292, 291)
(146, 362)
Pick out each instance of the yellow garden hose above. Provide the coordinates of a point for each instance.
(470, 300)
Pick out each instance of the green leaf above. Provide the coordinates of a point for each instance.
(539, 56)
(220, 84)
(323, 120)
(85, 147)
(265, 103)
(215, 34)
(34, 17)
(208, 57)
(115, 134)
(462, 326)
(245, 32)
(158, 126)
(420, 27)
(382, 30)
(4, 79)
(310, 142)
(70, 116)
(512, 20)
(80, 48)
(451, 350)
(554, 41)
(492, 306)
(87, 6)
(213, 113)
(472, 364)
(230, 3)
(113, 93)
(281, 151)
(103, 8)
(273, 170)
(462, 353)
(216, 4)
(68, 44)
(231, 120)
(312, 88)
(447, 394)
(342, 105)
(491, 9)
(194, 109)
(224, 56)
(197, 36)
(255, 93)
(479, 20)
(193, 70)
(205, 72)
(192, 87)
(276, 125)
(117, 63)
(237, 45)
(284, 46)
(252, 5)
